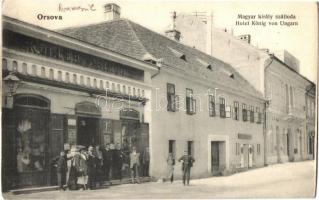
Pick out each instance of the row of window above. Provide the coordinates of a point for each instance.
(249, 113)
(240, 149)
(74, 78)
(172, 147)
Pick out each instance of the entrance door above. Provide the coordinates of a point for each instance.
(88, 131)
(215, 158)
(250, 156)
(246, 155)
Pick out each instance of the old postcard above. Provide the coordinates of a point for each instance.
(158, 99)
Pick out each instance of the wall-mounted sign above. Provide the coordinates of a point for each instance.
(128, 113)
(244, 136)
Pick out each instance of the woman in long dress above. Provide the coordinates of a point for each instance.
(170, 167)
(82, 174)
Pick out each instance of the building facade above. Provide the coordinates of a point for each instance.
(276, 76)
(59, 92)
(199, 103)
(311, 120)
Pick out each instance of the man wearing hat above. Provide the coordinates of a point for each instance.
(187, 163)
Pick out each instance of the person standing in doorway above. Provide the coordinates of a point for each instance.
(91, 165)
(134, 165)
(107, 161)
(61, 169)
(146, 162)
(170, 167)
(99, 163)
(118, 160)
(187, 164)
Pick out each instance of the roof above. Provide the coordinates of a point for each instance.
(134, 40)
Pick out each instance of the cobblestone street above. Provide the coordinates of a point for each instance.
(289, 180)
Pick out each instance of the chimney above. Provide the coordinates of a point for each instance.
(112, 11)
(245, 38)
(173, 33)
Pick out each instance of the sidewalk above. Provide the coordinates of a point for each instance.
(288, 180)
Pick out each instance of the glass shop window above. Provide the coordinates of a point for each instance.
(31, 135)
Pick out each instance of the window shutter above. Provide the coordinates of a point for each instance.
(228, 111)
(256, 117)
(177, 103)
(194, 105)
(217, 107)
(248, 115)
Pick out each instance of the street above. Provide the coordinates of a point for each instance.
(289, 180)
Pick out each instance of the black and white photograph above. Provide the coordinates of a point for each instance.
(159, 99)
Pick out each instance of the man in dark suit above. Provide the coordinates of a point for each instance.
(107, 161)
(187, 164)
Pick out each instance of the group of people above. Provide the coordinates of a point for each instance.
(81, 168)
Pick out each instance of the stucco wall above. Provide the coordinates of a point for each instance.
(199, 127)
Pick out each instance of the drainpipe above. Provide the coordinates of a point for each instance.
(266, 104)
(159, 64)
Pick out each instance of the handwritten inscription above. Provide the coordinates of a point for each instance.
(88, 7)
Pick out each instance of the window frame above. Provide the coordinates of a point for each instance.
(211, 105)
(236, 112)
(190, 102)
(222, 107)
(244, 112)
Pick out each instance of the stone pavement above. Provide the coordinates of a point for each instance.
(289, 180)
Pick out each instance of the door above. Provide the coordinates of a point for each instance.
(246, 155)
(215, 158)
(250, 156)
(88, 131)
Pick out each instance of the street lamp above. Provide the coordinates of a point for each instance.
(12, 82)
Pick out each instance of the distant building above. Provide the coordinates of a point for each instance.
(275, 76)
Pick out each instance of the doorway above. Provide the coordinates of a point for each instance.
(88, 131)
(215, 169)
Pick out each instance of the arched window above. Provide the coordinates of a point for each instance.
(32, 101)
(43, 72)
(81, 80)
(101, 85)
(118, 88)
(51, 74)
(134, 92)
(88, 82)
(94, 83)
(107, 85)
(59, 76)
(129, 90)
(123, 89)
(34, 70)
(24, 68)
(14, 66)
(75, 81)
(67, 77)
